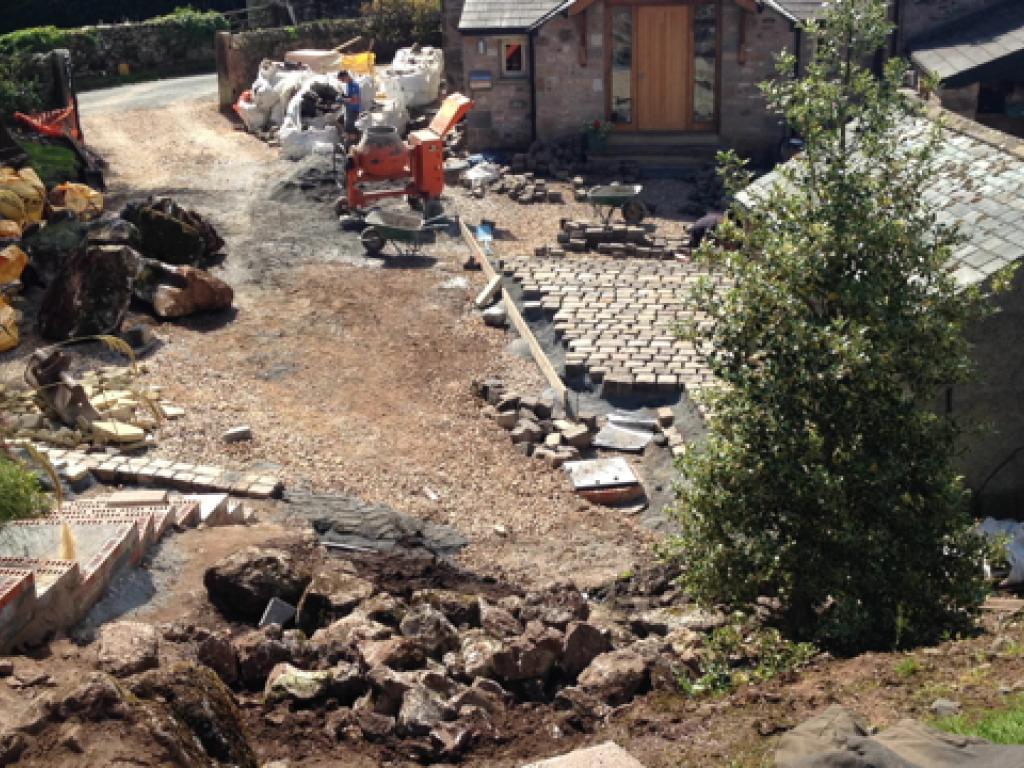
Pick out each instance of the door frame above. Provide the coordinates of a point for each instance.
(633, 126)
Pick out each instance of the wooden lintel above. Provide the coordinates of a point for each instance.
(748, 5)
(579, 7)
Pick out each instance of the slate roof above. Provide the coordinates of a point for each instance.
(796, 10)
(979, 183)
(970, 43)
(505, 15)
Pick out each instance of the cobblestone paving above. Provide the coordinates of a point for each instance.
(618, 319)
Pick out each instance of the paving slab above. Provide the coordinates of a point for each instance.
(607, 755)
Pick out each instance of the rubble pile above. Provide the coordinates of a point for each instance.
(533, 424)
(109, 407)
(437, 670)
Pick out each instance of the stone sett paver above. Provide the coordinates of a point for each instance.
(618, 319)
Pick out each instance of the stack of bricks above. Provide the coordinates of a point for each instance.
(616, 240)
(526, 188)
(619, 320)
(159, 473)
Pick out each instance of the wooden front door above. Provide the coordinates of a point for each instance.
(663, 67)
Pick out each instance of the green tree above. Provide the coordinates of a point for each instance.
(826, 479)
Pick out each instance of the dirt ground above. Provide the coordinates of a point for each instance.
(355, 377)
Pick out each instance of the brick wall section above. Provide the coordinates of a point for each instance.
(919, 17)
(568, 94)
(745, 123)
(501, 116)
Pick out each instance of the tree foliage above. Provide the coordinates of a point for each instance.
(20, 495)
(826, 478)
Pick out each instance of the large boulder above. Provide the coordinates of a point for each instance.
(175, 292)
(497, 622)
(394, 652)
(299, 686)
(242, 584)
(197, 698)
(615, 677)
(110, 230)
(421, 710)
(531, 656)
(332, 594)
(460, 609)
(341, 639)
(216, 651)
(583, 643)
(478, 652)
(172, 234)
(91, 295)
(52, 246)
(430, 627)
(128, 648)
(555, 606)
(258, 652)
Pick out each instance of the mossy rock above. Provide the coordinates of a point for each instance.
(200, 701)
(168, 239)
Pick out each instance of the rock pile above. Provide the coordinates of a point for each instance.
(534, 426)
(92, 268)
(435, 668)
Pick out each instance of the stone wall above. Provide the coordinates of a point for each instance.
(501, 117)
(745, 123)
(988, 406)
(919, 17)
(568, 93)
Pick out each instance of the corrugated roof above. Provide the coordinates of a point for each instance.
(796, 10)
(978, 184)
(973, 42)
(507, 15)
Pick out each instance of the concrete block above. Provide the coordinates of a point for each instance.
(137, 499)
(237, 434)
(607, 755)
(665, 417)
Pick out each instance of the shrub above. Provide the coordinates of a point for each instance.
(826, 480)
(412, 21)
(20, 495)
(19, 92)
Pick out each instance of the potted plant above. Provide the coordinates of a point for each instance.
(595, 134)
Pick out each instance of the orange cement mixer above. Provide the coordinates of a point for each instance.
(382, 158)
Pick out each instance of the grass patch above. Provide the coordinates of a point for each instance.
(907, 667)
(55, 163)
(1004, 726)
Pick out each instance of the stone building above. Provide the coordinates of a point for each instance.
(977, 52)
(668, 74)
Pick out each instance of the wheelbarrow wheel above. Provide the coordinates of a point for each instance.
(373, 241)
(633, 212)
(432, 209)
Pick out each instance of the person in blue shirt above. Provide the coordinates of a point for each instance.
(352, 101)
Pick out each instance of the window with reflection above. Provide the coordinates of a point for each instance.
(705, 61)
(622, 65)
